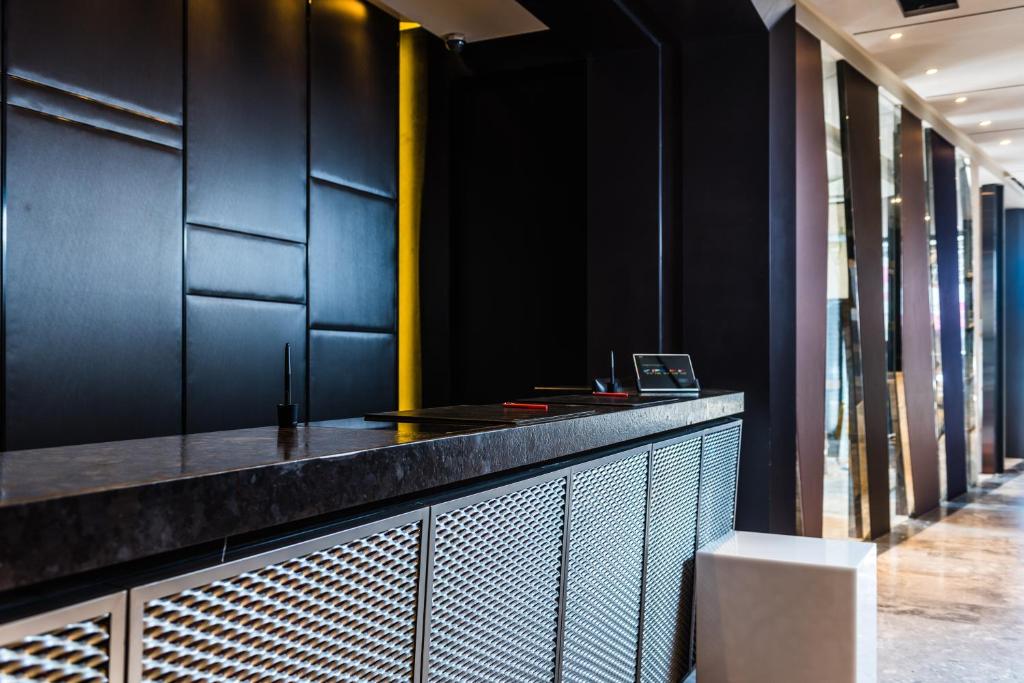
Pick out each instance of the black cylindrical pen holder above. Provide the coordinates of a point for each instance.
(287, 414)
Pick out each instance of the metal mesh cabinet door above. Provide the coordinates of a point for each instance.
(496, 582)
(83, 643)
(668, 592)
(607, 509)
(719, 461)
(340, 608)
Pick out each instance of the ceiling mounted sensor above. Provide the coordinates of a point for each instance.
(913, 8)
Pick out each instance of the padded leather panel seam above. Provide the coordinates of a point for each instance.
(357, 188)
(94, 127)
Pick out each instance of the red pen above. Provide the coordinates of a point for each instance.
(612, 394)
(525, 406)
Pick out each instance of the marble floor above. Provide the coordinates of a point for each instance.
(951, 589)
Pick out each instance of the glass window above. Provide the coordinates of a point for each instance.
(933, 270)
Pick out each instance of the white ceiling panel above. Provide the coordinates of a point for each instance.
(856, 16)
(978, 51)
(475, 19)
(973, 53)
(1002, 108)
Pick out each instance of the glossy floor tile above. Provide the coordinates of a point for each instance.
(951, 589)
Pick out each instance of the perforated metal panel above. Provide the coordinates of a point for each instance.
(76, 652)
(346, 612)
(719, 459)
(496, 579)
(675, 480)
(605, 572)
(79, 644)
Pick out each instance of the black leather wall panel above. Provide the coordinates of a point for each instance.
(124, 52)
(351, 373)
(93, 279)
(246, 105)
(352, 259)
(42, 98)
(354, 59)
(234, 362)
(238, 265)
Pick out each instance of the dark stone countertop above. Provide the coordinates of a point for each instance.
(77, 508)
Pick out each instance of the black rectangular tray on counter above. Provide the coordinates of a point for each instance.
(494, 414)
(631, 401)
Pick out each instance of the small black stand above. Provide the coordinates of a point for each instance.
(287, 412)
(612, 385)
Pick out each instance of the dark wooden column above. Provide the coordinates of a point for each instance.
(992, 319)
(858, 101)
(811, 276)
(945, 217)
(923, 471)
(1014, 331)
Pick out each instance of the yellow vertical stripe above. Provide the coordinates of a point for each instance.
(411, 147)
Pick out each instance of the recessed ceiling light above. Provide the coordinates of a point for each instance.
(895, 36)
(1006, 142)
(931, 72)
(985, 124)
(960, 100)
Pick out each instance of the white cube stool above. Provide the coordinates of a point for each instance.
(785, 608)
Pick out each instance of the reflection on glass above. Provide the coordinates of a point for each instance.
(933, 290)
(965, 243)
(889, 145)
(843, 515)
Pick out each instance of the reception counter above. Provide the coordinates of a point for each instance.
(557, 547)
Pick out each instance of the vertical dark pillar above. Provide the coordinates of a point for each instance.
(738, 253)
(945, 217)
(811, 276)
(784, 283)
(918, 372)
(1014, 332)
(993, 330)
(858, 101)
(726, 297)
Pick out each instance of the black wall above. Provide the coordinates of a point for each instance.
(545, 230)
(188, 186)
(518, 232)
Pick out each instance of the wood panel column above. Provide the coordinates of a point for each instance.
(811, 277)
(1014, 330)
(992, 319)
(945, 217)
(921, 459)
(858, 101)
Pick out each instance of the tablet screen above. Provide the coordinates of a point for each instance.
(664, 372)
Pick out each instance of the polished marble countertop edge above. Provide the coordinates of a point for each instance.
(221, 484)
